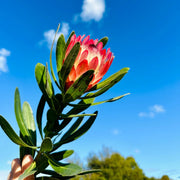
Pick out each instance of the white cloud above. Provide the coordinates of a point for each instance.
(137, 151)
(146, 114)
(153, 110)
(4, 52)
(50, 34)
(3, 59)
(92, 10)
(157, 108)
(115, 132)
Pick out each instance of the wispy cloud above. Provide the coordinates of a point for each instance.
(115, 132)
(92, 10)
(157, 108)
(137, 151)
(153, 110)
(50, 34)
(3, 59)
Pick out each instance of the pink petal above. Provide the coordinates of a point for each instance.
(104, 69)
(83, 55)
(78, 38)
(95, 41)
(100, 46)
(82, 68)
(73, 37)
(103, 53)
(91, 41)
(77, 58)
(93, 63)
(86, 39)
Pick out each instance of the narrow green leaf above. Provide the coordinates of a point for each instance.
(82, 130)
(78, 88)
(65, 169)
(69, 39)
(110, 100)
(29, 121)
(68, 64)
(73, 128)
(107, 84)
(42, 162)
(19, 118)
(44, 80)
(25, 150)
(104, 40)
(60, 52)
(46, 145)
(11, 133)
(76, 115)
(46, 178)
(77, 109)
(61, 155)
(39, 114)
(29, 171)
(52, 125)
(90, 171)
(51, 67)
(115, 77)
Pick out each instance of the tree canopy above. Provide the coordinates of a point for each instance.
(113, 166)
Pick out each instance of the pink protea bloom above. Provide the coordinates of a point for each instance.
(91, 56)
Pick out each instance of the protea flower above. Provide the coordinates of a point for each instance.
(91, 56)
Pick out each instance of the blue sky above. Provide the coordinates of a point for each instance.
(143, 35)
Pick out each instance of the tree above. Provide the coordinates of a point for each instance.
(165, 177)
(113, 166)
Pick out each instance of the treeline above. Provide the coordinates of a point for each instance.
(113, 166)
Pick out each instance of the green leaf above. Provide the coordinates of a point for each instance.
(73, 128)
(51, 67)
(110, 100)
(76, 115)
(39, 114)
(52, 125)
(65, 169)
(90, 171)
(25, 150)
(68, 64)
(46, 145)
(61, 155)
(42, 162)
(19, 118)
(81, 106)
(82, 130)
(69, 39)
(11, 133)
(46, 178)
(78, 88)
(116, 77)
(29, 171)
(104, 40)
(60, 53)
(29, 121)
(44, 80)
(108, 83)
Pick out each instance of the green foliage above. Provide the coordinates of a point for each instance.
(113, 166)
(165, 177)
(63, 119)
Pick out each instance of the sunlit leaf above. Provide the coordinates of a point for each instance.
(29, 171)
(78, 88)
(11, 133)
(46, 145)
